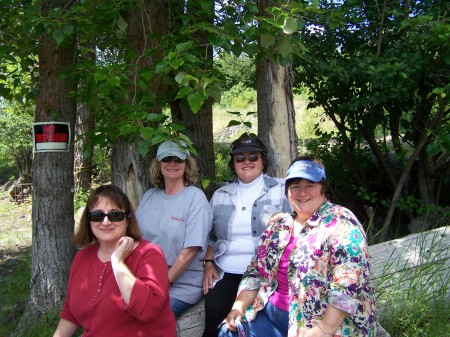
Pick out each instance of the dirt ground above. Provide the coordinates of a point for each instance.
(15, 232)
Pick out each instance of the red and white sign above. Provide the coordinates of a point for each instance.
(51, 136)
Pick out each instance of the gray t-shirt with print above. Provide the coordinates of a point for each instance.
(175, 222)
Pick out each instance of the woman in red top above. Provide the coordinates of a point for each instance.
(118, 283)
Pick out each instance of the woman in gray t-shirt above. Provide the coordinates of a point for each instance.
(177, 216)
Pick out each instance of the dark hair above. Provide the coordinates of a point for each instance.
(190, 173)
(84, 235)
(246, 136)
(325, 190)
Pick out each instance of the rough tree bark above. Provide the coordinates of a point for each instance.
(52, 207)
(199, 126)
(83, 165)
(129, 170)
(276, 115)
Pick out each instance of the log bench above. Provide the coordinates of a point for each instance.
(415, 260)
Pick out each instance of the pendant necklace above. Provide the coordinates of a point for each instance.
(250, 200)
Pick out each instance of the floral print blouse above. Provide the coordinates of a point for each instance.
(329, 264)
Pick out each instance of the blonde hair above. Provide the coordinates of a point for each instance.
(190, 173)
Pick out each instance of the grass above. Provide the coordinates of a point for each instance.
(414, 302)
(13, 293)
(305, 120)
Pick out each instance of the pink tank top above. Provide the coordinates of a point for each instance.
(280, 298)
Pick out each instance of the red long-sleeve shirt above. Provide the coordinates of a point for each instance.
(94, 301)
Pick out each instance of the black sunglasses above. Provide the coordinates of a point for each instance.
(240, 158)
(172, 158)
(98, 216)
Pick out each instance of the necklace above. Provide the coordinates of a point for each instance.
(249, 200)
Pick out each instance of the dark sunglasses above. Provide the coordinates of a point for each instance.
(98, 216)
(172, 158)
(240, 158)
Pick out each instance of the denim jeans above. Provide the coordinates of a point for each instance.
(178, 307)
(270, 321)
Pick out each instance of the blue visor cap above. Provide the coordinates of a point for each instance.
(307, 170)
(170, 148)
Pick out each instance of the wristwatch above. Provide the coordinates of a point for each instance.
(205, 261)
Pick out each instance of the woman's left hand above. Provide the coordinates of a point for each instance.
(124, 247)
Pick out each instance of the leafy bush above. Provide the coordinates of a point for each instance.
(328, 150)
(238, 97)
(222, 157)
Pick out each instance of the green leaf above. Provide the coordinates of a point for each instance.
(98, 77)
(154, 117)
(67, 30)
(142, 147)
(184, 46)
(205, 182)
(290, 26)
(148, 75)
(59, 36)
(206, 5)
(119, 34)
(284, 46)
(267, 40)
(122, 24)
(147, 132)
(184, 92)
(196, 101)
(126, 129)
(175, 64)
(433, 149)
(114, 80)
(233, 123)
(214, 93)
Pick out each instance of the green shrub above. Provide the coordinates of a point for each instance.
(238, 96)
(222, 157)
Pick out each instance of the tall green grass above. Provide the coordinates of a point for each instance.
(13, 292)
(413, 290)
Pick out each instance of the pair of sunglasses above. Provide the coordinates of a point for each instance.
(240, 158)
(173, 158)
(114, 216)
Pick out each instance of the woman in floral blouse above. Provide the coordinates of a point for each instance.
(310, 274)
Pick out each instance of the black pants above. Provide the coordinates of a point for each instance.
(218, 302)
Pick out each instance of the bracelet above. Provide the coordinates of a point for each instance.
(205, 261)
(318, 325)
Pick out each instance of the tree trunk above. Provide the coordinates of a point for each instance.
(199, 129)
(129, 170)
(83, 164)
(199, 126)
(53, 215)
(84, 159)
(276, 115)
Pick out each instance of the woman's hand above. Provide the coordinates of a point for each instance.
(235, 314)
(209, 276)
(275, 217)
(124, 277)
(124, 247)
